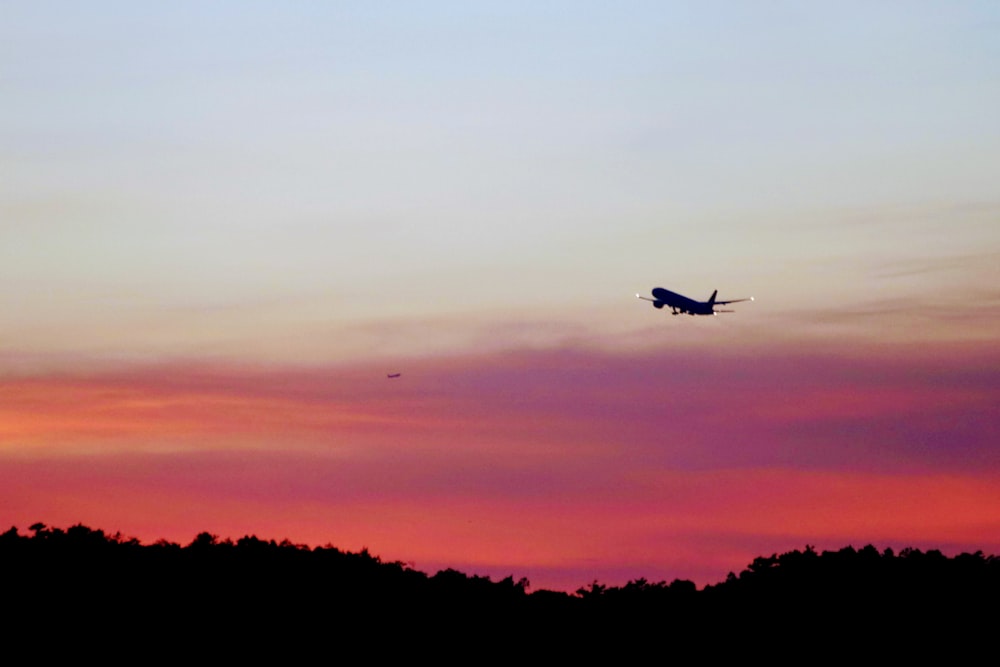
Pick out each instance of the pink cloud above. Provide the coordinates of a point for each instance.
(563, 466)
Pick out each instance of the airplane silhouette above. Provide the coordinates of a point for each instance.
(393, 375)
(681, 304)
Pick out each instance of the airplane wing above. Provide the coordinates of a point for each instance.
(722, 303)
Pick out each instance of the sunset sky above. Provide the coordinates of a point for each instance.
(222, 225)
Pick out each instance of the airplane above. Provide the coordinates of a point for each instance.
(681, 304)
(393, 375)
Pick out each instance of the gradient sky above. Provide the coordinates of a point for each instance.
(222, 225)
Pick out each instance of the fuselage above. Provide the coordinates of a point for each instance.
(681, 304)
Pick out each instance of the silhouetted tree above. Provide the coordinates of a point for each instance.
(225, 591)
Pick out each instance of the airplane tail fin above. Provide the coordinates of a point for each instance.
(711, 299)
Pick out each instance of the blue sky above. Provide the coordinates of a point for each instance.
(391, 161)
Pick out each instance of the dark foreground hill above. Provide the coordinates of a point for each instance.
(256, 595)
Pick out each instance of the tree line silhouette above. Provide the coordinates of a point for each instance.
(232, 591)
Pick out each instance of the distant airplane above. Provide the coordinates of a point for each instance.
(682, 304)
(393, 375)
